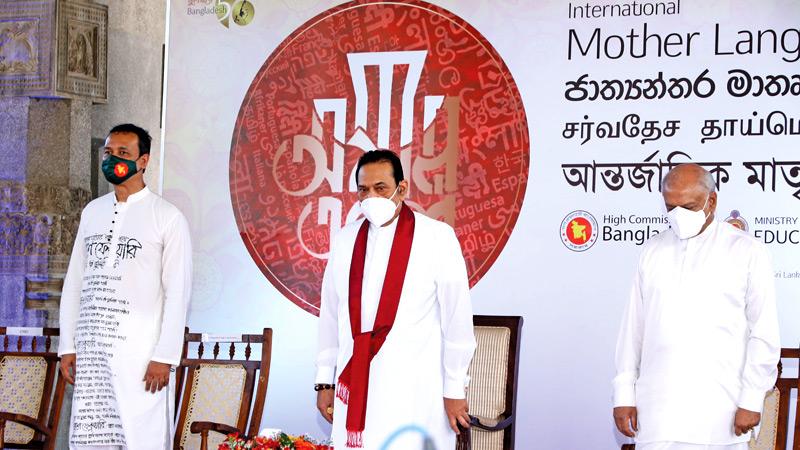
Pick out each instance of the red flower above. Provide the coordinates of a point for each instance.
(264, 443)
(302, 444)
(283, 442)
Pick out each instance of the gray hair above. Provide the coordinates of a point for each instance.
(706, 181)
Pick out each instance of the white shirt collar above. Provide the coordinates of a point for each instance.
(135, 197)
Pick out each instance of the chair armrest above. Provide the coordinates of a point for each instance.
(199, 427)
(26, 421)
(464, 438)
(502, 424)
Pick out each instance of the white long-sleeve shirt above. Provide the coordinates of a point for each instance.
(124, 304)
(428, 351)
(699, 338)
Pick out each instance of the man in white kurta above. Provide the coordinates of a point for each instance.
(123, 309)
(421, 370)
(699, 344)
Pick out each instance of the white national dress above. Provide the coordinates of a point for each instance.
(699, 338)
(428, 351)
(123, 305)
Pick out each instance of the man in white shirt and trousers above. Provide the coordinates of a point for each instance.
(123, 307)
(699, 344)
(395, 327)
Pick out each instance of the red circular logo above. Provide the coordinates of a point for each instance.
(121, 169)
(410, 77)
(579, 231)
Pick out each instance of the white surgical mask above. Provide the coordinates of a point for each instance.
(379, 210)
(687, 223)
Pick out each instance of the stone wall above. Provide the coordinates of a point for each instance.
(43, 188)
(136, 33)
(47, 165)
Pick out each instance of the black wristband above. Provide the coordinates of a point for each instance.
(323, 387)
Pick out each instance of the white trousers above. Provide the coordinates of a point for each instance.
(685, 446)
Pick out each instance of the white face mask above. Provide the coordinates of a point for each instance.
(379, 210)
(687, 223)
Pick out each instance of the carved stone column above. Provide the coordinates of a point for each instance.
(52, 69)
(53, 57)
(52, 48)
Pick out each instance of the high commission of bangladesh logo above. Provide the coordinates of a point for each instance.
(579, 231)
(410, 77)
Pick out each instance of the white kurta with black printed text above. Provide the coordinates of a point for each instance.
(124, 304)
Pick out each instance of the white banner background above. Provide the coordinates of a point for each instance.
(571, 301)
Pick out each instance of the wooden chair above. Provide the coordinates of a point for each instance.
(784, 387)
(768, 431)
(217, 394)
(492, 393)
(31, 388)
(774, 430)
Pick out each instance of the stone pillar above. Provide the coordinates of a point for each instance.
(52, 69)
(44, 184)
(53, 66)
(23, 237)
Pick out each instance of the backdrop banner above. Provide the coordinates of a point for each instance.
(539, 130)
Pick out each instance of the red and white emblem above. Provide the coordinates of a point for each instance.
(410, 77)
(579, 231)
(121, 169)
